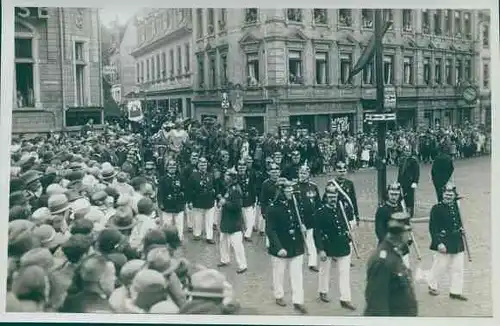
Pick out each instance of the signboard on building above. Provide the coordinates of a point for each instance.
(32, 12)
(380, 116)
(135, 111)
(390, 98)
(340, 124)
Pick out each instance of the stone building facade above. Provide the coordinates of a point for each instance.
(57, 76)
(292, 66)
(163, 60)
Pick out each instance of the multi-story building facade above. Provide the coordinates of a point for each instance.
(121, 69)
(483, 56)
(293, 65)
(58, 73)
(163, 60)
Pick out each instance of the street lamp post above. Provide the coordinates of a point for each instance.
(381, 125)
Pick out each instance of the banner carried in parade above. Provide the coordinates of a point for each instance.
(135, 111)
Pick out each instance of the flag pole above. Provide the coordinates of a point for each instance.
(381, 125)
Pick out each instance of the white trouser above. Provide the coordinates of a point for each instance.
(344, 268)
(295, 269)
(261, 222)
(189, 218)
(217, 215)
(406, 260)
(249, 218)
(235, 240)
(177, 219)
(201, 215)
(311, 249)
(455, 264)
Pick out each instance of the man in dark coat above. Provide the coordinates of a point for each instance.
(246, 179)
(389, 285)
(447, 232)
(347, 186)
(385, 211)
(408, 176)
(309, 200)
(231, 223)
(292, 170)
(269, 190)
(285, 231)
(172, 199)
(186, 173)
(332, 240)
(442, 169)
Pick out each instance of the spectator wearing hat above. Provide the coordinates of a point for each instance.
(41, 216)
(447, 243)
(49, 238)
(31, 288)
(19, 198)
(231, 226)
(80, 208)
(149, 288)
(286, 246)
(121, 185)
(108, 174)
(21, 238)
(172, 199)
(208, 295)
(94, 282)
(38, 256)
(201, 198)
(386, 295)
(141, 189)
(19, 213)
(145, 222)
(97, 217)
(120, 298)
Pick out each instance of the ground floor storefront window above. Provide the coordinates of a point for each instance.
(255, 122)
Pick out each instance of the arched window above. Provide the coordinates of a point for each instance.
(26, 76)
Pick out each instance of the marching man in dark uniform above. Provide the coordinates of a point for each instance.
(442, 169)
(309, 201)
(347, 194)
(286, 246)
(171, 198)
(292, 170)
(202, 200)
(389, 284)
(384, 213)
(332, 239)
(408, 176)
(446, 230)
(219, 170)
(269, 191)
(186, 173)
(247, 182)
(231, 223)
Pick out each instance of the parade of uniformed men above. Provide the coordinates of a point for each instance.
(254, 207)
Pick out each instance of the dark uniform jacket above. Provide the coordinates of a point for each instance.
(348, 187)
(171, 196)
(445, 227)
(248, 184)
(409, 172)
(283, 229)
(201, 190)
(231, 214)
(86, 302)
(442, 169)
(309, 201)
(268, 195)
(330, 232)
(382, 217)
(389, 285)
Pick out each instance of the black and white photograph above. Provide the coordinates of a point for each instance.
(304, 162)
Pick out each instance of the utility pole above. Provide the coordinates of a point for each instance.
(382, 124)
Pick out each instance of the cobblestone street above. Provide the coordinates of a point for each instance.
(472, 178)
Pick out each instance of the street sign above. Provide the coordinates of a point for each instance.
(380, 116)
(135, 111)
(390, 97)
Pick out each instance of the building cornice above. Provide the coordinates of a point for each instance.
(155, 43)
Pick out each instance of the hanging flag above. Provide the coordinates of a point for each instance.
(135, 111)
(368, 52)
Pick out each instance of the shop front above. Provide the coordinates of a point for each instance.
(341, 123)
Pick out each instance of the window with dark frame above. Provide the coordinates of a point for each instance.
(212, 71)
(427, 70)
(367, 18)
(407, 20)
(320, 16)
(458, 23)
(388, 16)
(223, 19)
(179, 60)
(211, 21)
(345, 17)
(187, 64)
(438, 70)
(163, 65)
(467, 69)
(486, 75)
(408, 70)
(251, 15)
(437, 22)
(388, 69)
(447, 22)
(79, 56)
(158, 67)
(138, 72)
(369, 73)
(148, 70)
(25, 94)
(345, 68)
(252, 69)
(486, 36)
(201, 70)
(295, 67)
(321, 68)
(458, 71)
(199, 21)
(294, 15)
(223, 69)
(153, 69)
(172, 63)
(142, 71)
(448, 72)
(467, 25)
(426, 27)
